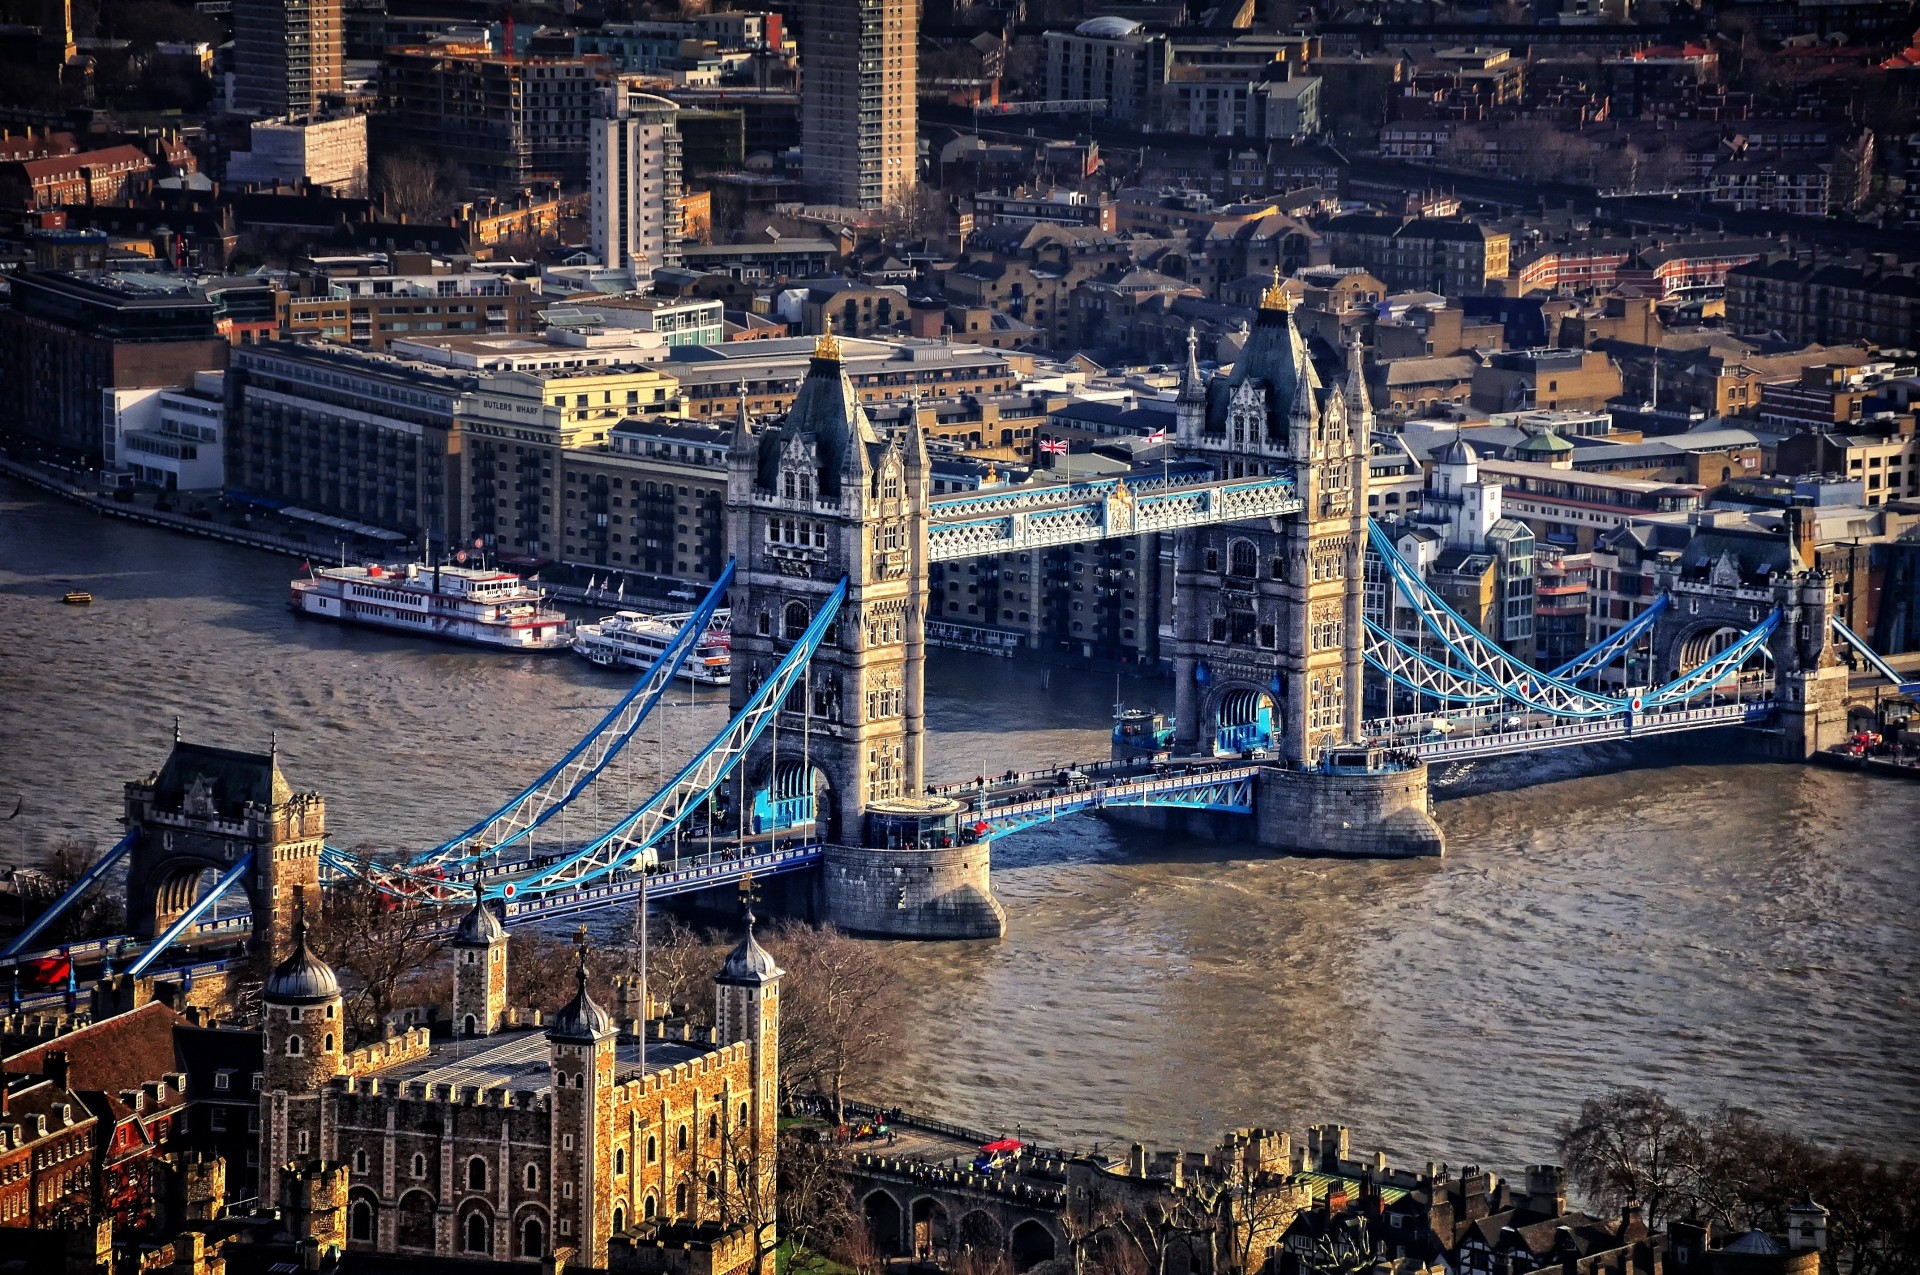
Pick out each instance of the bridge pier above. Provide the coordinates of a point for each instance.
(1377, 811)
(1810, 707)
(922, 875)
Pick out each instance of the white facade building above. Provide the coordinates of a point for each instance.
(326, 153)
(1110, 58)
(678, 320)
(635, 205)
(170, 438)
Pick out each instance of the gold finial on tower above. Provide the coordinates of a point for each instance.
(1276, 296)
(827, 347)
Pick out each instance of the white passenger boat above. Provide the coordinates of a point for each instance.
(462, 604)
(633, 640)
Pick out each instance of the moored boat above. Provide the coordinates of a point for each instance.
(461, 604)
(632, 640)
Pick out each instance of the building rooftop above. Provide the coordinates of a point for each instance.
(521, 1060)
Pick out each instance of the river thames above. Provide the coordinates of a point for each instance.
(1732, 933)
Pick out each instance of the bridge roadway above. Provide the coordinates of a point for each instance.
(1491, 733)
(1004, 804)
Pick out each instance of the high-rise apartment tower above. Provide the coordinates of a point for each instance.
(859, 68)
(287, 55)
(635, 205)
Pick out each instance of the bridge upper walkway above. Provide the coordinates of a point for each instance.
(1039, 517)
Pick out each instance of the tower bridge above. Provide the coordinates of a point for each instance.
(821, 768)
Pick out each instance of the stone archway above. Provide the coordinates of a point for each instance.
(932, 1230)
(1030, 1244)
(161, 888)
(882, 1213)
(1705, 642)
(1244, 718)
(783, 798)
(413, 1228)
(981, 1232)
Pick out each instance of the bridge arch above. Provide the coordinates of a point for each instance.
(883, 1215)
(1699, 625)
(791, 791)
(981, 1232)
(932, 1230)
(1244, 716)
(1030, 1244)
(161, 887)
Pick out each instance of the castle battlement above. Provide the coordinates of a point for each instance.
(721, 1060)
(388, 1053)
(415, 1043)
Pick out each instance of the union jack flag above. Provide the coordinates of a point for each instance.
(1053, 446)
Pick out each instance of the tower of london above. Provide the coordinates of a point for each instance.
(511, 1137)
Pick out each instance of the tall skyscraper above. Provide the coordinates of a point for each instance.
(635, 204)
(287, 55)
(859, 69)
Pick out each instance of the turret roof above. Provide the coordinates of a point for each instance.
(749, 964)
(303, 978)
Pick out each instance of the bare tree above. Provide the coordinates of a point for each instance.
(415, 185)
(1634, 1145)
(680, 969)
(817, 1212)
(379, 945)
(840, 1012)
(749, 1195)
(95, 913)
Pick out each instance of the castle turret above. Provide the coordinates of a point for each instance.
(747, 1011)
(479, 949)
(305, 1032)
(580, 1049)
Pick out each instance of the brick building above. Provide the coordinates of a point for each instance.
(90, 1116)
(72, 336)
(509, 121)
(108, 176)
(1828, 302)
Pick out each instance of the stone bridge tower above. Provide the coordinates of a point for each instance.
(199, 814)
(814, 498)
(1268, 615)
(1713, 600)
(817, 497)
(1809, 681)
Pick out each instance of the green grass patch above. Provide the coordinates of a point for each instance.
(792, 1259)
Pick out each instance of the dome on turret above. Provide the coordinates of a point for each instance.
(1456, 453)
(749, 964)
(581, 1018)
(303, 978)
(479, 927)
